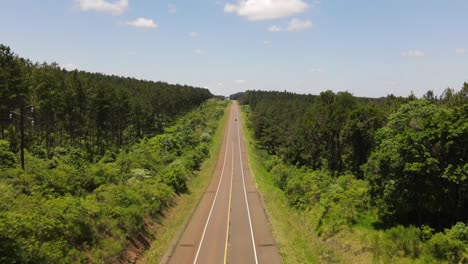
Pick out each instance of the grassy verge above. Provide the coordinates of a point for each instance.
(291, 229)
(176, 217)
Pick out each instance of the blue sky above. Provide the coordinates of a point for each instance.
(369, 48)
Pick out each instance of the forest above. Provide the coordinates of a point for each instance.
(92, 112)
(397, 165)
(104, 156)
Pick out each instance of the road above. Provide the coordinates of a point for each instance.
(229, 224)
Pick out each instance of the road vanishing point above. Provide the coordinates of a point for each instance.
(229, 225)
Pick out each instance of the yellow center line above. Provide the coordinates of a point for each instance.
(229, 209)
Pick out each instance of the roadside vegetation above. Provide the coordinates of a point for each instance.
(64, 209)
(169, 230)
(102, 166)
(366, 180)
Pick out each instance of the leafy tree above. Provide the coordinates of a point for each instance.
(358, 135)
(418, 171)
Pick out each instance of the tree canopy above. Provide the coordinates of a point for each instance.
(91, 111)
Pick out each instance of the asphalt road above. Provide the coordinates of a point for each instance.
(229, 225)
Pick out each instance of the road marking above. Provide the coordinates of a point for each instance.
(229, 209)
(245, 192)
(216, 195)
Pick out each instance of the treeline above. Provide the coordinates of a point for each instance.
(344, 158)
(65, 209)
(90, 111)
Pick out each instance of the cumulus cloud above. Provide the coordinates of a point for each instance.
(113, 7)
(295, 25)
(142, 23)
(171, 8)
(240, 81)
(194, 34)
(199, 51)
(413, 53)
(461, 51)
(266, 9)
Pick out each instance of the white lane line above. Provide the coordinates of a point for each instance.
(216, 195)
(245, 192)
(229, 210)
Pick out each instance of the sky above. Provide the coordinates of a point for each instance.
(369, 48)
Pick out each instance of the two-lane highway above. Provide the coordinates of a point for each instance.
(229, 225)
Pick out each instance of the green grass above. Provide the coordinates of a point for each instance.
(176, 217)
(291, 228)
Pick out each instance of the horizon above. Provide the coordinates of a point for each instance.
(367, 49)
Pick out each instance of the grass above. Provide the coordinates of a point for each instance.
(291, 228)
(176, 217)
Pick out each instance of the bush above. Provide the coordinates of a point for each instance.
(407, 240)
(280, 174)
(451, 245)
(7, 158)
(176, 176)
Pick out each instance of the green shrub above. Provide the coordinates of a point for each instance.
(407, 240)
(271, 162)
(451, 245)
(7, 158)
(38, 151)
(176, 176)
(205, 137)
(280, 174)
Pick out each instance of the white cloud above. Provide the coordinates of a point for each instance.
(275, 29)
(171, 8)
(199, 51)
(266, 42)
(113, 7)
(266, 9)
(461, 51)
(142, 23)
(69, 66)
(220, 84)
(194, 34)
(240, 81)
(413, 53)
(295, 25)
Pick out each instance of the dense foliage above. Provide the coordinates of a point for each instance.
(66, 209)
(104, 156)
(333, 131)
(344, 158)
(88, 111)
(419, 168)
